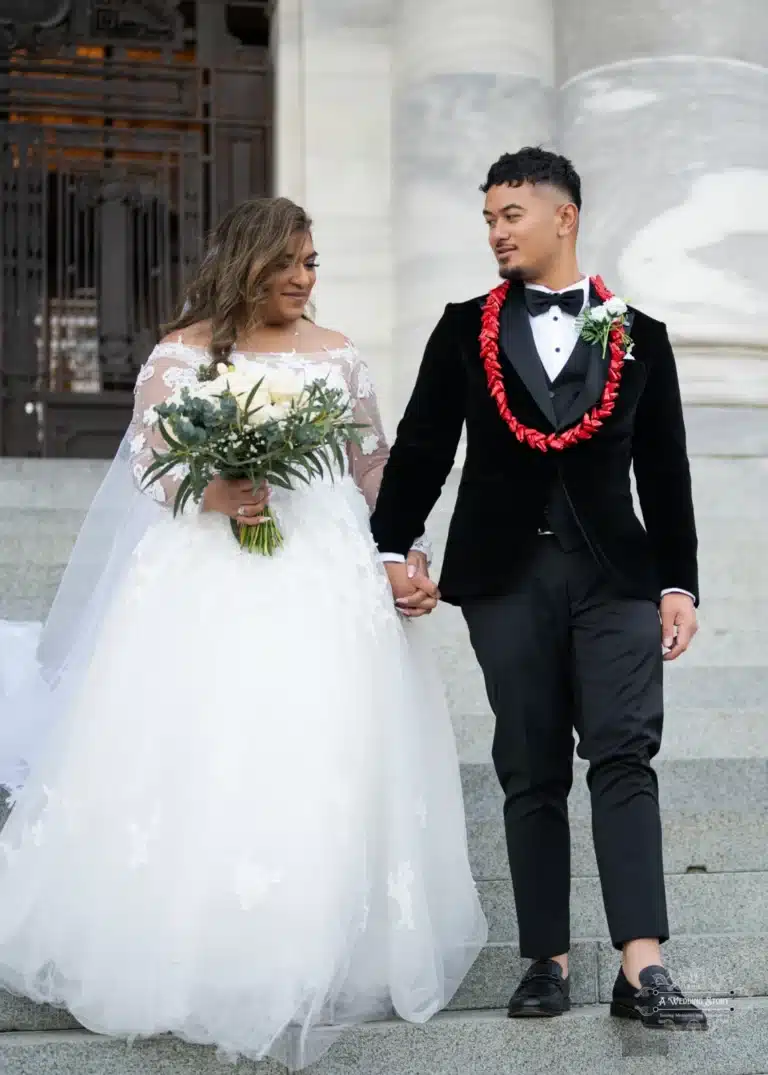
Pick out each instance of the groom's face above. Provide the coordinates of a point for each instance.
(525, 228)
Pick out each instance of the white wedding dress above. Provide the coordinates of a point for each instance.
(245, 824)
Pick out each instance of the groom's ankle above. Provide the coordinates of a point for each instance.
(562, 960)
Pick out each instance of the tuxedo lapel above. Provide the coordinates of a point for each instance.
(517, 345)
(594, 381)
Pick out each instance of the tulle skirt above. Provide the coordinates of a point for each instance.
(248, 827)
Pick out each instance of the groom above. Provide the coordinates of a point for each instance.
(567, 597)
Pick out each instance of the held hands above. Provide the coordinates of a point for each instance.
(236, 499)
(414, 592)
(678, 624)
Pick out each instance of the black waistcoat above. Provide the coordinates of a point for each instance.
(563, 391)
(563, 401)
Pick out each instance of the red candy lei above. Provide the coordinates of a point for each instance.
(593, 420)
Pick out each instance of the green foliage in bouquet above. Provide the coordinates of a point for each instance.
(238, 438)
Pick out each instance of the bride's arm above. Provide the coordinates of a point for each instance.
(169, 367)
(368, 459)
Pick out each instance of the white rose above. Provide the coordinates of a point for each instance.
(599, 314)
(616, 306)
(235, 383)
(209, 389)
(285, 385)
(271, 412)
(260, 400)
(248, 367)
(222, 368)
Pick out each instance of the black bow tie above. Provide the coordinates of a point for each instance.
(538, 302)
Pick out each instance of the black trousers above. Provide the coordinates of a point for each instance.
(563, 651)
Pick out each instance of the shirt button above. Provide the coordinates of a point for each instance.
(558, 350)
(555, 318)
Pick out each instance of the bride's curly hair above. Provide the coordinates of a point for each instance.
(230, 286)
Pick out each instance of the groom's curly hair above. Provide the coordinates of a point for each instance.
(535, 165)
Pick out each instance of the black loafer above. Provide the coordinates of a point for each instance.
(658, 1004)
(543, 991)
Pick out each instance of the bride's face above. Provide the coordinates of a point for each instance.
(291, 285)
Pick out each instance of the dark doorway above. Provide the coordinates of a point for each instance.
(126, 129)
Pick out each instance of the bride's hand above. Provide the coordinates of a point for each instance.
(236, 499)
(415, 595)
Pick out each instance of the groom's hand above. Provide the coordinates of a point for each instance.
(678, 624)
(414, 592)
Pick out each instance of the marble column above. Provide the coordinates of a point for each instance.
(333, 155)
(663, 108)
(470, 82)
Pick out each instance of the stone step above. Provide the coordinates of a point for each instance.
(724, 489)
(703, 966)
(733, 572)
(696, 903)
(713, 707)
(35, 545)
(725, 486)
(729, 965)
(715, 729)
(38, 535)
(713, 815)
(50, 483)
(27, 590)
(51, 530)
(583, 1042)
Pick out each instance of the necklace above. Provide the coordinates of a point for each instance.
(593, 420)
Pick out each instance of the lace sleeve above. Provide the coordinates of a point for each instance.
(368, 459)
(169, 367)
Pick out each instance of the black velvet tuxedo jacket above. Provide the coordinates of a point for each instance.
(505, 485)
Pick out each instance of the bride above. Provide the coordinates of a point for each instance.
(237, 813)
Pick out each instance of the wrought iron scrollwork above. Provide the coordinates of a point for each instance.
(145, 21)
(32, 24)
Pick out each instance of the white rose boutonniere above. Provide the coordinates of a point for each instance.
(596, 323)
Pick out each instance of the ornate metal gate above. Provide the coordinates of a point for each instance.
(126, 129)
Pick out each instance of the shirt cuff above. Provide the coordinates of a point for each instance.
(675, 589)
(391, 558)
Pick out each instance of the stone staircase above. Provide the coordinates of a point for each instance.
(713, 778)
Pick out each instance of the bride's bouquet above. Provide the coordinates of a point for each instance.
(247, 421)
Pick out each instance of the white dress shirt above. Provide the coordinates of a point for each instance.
(555, 334)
